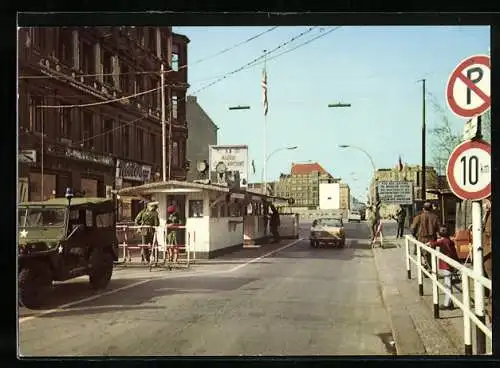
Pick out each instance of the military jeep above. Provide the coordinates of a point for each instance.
(64, 238)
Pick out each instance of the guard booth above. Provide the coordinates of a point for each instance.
(217, 219)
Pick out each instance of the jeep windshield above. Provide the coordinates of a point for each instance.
(41, 217)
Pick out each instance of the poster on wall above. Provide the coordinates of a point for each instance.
(228, 165)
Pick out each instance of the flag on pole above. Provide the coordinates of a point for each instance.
(400, 164)
(253, 167)
(264, 90)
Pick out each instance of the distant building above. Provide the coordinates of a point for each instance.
(345, 196)
(202, 133)
(302, 184)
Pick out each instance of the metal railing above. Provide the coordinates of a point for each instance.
(465, 273)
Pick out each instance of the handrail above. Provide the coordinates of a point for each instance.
(466, 273)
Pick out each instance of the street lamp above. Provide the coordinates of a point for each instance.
(239, 107)
(373, 198)
(339, 104)
(264, 178)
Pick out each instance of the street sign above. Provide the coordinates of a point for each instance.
(468, 88)
(27, 156)
(469, 170)
(395, 192)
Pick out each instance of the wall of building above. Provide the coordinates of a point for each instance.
(202, 133)
(345, 196)
(88, 66)
(329, 196)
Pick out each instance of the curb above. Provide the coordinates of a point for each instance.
(406, 338)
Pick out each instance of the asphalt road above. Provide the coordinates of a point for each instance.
(296, 301)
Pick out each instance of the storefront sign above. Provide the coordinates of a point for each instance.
(89, 156)
(133, 171)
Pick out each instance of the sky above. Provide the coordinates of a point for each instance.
(375, 69)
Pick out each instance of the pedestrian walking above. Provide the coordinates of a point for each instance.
(400, 218)
(425, 228)
(447, 247)
(274, 223)
(148, 217)
(486, 243)
(372, 221)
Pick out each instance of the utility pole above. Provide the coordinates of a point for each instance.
(170, 117)
(423, 142)
(163, 125)
(264, 183)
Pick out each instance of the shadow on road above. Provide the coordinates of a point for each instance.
(154, 290)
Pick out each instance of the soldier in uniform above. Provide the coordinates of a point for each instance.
(274, 223)
(400, 218)
(425, 228)
(173, 220)
(148, 217)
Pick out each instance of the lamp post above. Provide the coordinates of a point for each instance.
(264, 178)
(374, 193)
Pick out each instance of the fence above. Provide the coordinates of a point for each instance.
(465, 273)
(129, 238)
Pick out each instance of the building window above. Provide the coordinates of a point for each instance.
(125, 140)
(140, 143)
(87, 129)
(108, 136)
(65, 122)
(153, 147)
(174, 105)
(107, 67)
(140, 88)
(124, 78)
(175, 154)
(65, 46)
(40, 39)
(175, 57)
(36, 113)
(140, 35)
(87, 59)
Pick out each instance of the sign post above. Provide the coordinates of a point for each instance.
(469, 177)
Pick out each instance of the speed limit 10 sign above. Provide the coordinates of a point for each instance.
(469, 170)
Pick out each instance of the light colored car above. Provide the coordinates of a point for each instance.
(354, 215)
(327, 230)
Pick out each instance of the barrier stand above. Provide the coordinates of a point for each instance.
(435, 290)
(467, 324)
(419, 273)
(407, 258)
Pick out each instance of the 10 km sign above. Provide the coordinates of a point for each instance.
(468, 88)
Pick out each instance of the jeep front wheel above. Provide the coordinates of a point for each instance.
(101, 269)
(35, 282)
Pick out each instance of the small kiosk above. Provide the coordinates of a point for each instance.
(217, 219)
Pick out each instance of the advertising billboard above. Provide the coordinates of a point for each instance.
(228, 165)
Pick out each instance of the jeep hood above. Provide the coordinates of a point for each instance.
(50, 236)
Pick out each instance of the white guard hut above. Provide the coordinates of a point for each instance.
(217, 219)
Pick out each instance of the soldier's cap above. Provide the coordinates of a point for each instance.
(171, 209)
(153, 204)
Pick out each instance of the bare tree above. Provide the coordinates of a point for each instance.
(444, 138)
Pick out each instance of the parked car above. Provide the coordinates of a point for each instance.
(327, 231)
(61, 239)
(354, 215)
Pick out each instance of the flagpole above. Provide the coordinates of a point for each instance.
(264, 182)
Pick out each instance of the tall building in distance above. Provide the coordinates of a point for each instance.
(302, 184)
(202, 133)
(83, 122)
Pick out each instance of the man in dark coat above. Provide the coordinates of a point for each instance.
(274, 223)
(400, 218)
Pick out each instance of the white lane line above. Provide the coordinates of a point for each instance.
(63, 307)
(239, 267)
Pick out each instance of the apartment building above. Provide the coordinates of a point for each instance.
(70, 135)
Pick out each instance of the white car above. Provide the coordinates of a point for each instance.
(354, 215)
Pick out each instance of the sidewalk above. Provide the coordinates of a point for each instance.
(415, 330)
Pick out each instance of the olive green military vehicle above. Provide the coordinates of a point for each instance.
(64, 238)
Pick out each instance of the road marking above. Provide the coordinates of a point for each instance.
(239, 267)
(64, 307)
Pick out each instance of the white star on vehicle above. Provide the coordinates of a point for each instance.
(23, 233)
(60, 249)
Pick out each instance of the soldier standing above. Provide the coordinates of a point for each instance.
(173, 220)
(274, 223)
(400, 218)
(148, 217)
